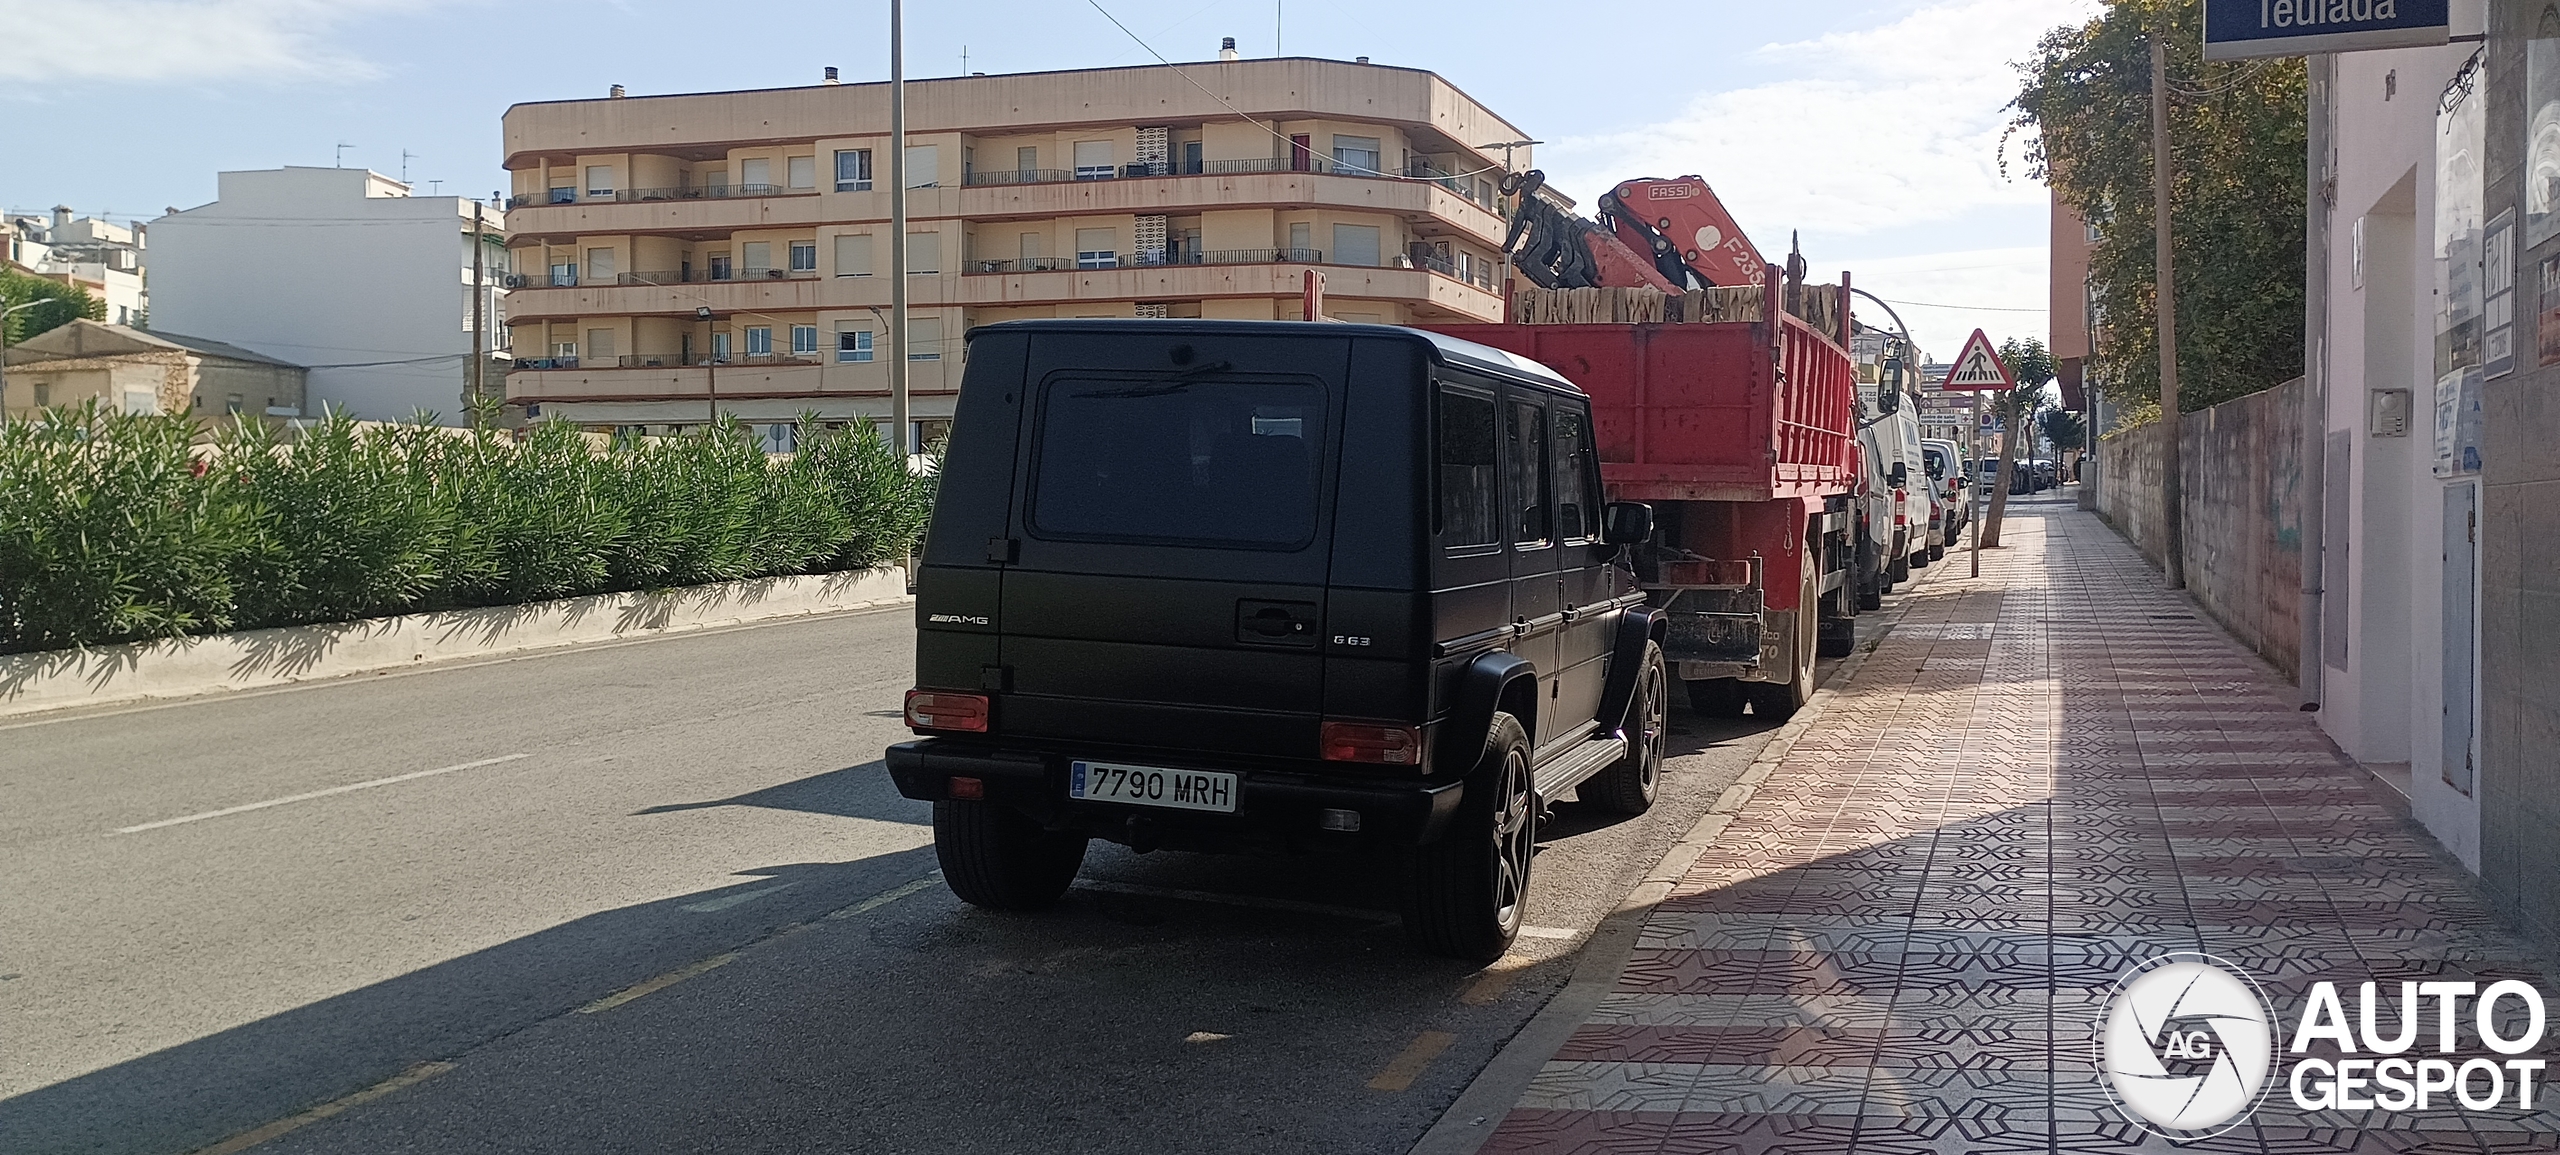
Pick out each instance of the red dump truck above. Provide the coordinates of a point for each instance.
(1742, 436)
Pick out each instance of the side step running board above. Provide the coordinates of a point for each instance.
(1571, 767)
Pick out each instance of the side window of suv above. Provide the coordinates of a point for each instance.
(1577, 475)
(1525, 437)
(1468, 471)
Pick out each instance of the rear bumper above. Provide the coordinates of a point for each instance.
(1274, 809)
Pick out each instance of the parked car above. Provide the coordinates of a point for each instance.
(1235, 586)
(1947, 467)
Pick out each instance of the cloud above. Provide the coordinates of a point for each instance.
(2000, 291)
(1875, 129)
(180, 40)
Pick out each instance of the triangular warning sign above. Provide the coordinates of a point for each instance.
(1977, 367)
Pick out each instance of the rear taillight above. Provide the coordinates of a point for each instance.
(946, 710)
(1375, 742)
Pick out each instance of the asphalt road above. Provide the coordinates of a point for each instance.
(661, 896)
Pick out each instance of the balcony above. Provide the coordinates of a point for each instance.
(680, 361)
(713, 276)
(1230, 185)
(1436, 296)
(561, 196)
(1278, 256)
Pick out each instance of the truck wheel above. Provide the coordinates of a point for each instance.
(1780, 700)
(1716, 697)
(1465, 893)
(996, 857)
(1628, 785)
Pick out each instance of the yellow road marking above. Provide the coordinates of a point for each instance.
(657, 984)
(1495, 979)
(247, 1139)
(884, 898)
(1400, 1072)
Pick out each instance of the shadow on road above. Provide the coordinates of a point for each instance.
(852, 792)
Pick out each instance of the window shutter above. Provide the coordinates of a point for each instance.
(924, 165)
(801, 171)
(924, 252)
(853, 255)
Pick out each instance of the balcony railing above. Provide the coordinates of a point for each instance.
(633, 195)
(539, 280)
(1272, 256)
(546, 363)
(697, 361)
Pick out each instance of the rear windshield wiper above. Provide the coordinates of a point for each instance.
(1158, 386)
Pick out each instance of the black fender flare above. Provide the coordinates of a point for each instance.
(1636, 626)
(1480, 689)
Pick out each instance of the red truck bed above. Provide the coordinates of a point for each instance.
(1703, 412)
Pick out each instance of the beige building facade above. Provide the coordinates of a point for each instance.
(1195, 190)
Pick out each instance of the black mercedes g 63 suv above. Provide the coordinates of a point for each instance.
(1235, 585)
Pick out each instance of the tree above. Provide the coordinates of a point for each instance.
(2063, 428)
(18, 288)
(2031, 366)
(2238, 136)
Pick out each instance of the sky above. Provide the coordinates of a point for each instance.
(1869, 128)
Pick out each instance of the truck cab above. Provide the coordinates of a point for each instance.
(1275, 586)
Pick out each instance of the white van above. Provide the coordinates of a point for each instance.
(1896, 518)
(1953, 476)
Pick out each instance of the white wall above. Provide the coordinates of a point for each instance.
(336, 269)
(2386, 704)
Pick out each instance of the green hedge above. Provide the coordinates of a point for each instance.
(118, 527)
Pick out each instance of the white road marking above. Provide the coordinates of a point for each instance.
(724, 902)
(1548, 932)
(1131, 888)
(306, 797)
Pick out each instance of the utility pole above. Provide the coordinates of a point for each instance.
(2165, 291)
(899, 419)
(479, 314)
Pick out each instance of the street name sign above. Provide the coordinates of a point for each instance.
(2241, 29)
(1977, 367)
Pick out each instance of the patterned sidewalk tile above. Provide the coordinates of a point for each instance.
(2039, 779)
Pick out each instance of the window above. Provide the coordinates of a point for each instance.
(1097, 248)
(924, 252)
(1030, 248)
(599, 180)
(1026, 160)
(565, 194)
(853, 255)
(924, 339)
(804, 340)
(720, 267)
(600, 265)
(760, 340)
(853, 346)
(804, 256)
(756, 257)
(564, 351)
(1525, 440)
(600, 345)
(1093, 160)
(1577, 479)
(1208, 461)
(1190, 156)
(719, 346)
(716, 180)
(231, 404)
(756, 174)
(1302, 237)
(853, 170)
(779, 437)
(924, 166)
(1467, 472)
(1355, 244)
(564, 274)
(800, 172)
(1357, 155)
(1302, 153)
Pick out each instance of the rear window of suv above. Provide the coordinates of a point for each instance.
(1212, 461)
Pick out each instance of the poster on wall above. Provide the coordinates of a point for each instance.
(2498, 297)
(2462, 283)
(2542, 141)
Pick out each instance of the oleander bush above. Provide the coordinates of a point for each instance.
(118, 527)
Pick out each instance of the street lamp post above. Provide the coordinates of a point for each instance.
(899, 415)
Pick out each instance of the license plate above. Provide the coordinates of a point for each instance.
(1152, 786)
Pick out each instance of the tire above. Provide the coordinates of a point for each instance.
(1629, 784)
(1898, 572)
(1781, 700)
(1466, 894)
(995, 857)
(1937, 550)
(1716, 697)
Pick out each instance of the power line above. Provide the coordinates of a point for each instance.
(1972, 308)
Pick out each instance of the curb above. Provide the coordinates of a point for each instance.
(211, 663)
(1471, 1119)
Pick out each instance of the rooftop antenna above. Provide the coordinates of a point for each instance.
(405, 157)
(964, 60)
(1275, 27)
(434, 187)
(341, 161)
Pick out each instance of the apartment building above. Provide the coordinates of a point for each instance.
(726, 252)
(100, 256)
(345, 271)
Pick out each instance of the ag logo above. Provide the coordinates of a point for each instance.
(2186, 1044)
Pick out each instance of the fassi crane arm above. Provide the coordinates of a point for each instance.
(1664, 234)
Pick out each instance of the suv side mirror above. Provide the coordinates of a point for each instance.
(1901, 475)
(1889, 399)
(1626, 523)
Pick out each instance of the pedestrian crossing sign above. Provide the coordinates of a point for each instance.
(1977, 367)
